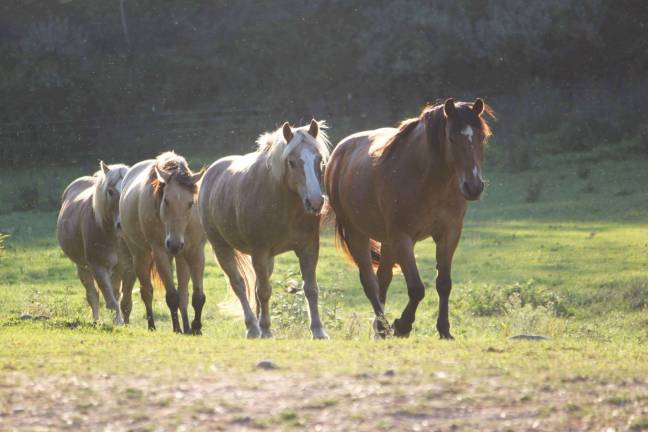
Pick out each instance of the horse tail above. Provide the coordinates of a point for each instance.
(156, 281)
(244, 266)
(341, 240)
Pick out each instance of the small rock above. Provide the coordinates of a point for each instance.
(390, 373)
(25, 317)
(267, 365)
(528, 337)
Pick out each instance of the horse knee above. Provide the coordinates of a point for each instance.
(198, 300)
(443, 285)
(173, 299)
(417, 293)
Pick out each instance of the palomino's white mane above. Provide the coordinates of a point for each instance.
(100, 197)
(274, 145)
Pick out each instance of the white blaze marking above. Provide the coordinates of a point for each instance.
(475, 171)
(468, 132)
(312, 184)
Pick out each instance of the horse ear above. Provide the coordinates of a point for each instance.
(162, 176)
(449, 107)
(478, 106)
(287, 132)
(195, 178)
(105, 168)
(313, 129)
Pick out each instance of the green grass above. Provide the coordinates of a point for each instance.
(572, 266)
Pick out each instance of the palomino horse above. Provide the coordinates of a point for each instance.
(160, 222)
(87, 233)
(390, 188)
(263, 204)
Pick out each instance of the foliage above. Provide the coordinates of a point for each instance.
(189, 74)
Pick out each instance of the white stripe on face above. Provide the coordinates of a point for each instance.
(468, 132)
(312, 183)
(475, 171)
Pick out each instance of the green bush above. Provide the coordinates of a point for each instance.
(494, 300)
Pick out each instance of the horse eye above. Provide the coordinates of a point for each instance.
(110, 192)
(291, 164)
(166, 201)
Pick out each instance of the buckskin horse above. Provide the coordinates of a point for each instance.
(392, 187)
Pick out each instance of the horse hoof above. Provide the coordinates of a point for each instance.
(253, 333)
(196, 328)
(401, 330)
(266, 334)
(319, 333)
(445, 336)
(381, 329)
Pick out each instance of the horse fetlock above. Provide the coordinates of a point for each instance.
(253, 332)
(266, 333)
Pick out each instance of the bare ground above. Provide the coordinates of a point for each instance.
(276, 400)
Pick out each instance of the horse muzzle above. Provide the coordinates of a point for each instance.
(313, 205)
(472, 190)
(174, 247)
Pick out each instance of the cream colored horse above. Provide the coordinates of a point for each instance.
(160, 223)
(263, 204)
(87, 233)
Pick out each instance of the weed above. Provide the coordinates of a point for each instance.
(534, 190)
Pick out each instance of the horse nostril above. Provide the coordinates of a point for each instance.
(307, 203)
(167, 244)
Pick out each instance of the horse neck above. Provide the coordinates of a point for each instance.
(424, 155)
(284, 200)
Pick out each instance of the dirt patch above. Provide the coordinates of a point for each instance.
(273, 400)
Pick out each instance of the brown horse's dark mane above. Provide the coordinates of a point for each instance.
(433, 116)
(179, 171)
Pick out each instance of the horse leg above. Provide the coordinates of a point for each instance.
(308, 264)
(183, 289)
(361, 254)
(127, 272)
(143, 262)
(85, 276)
(225, 256)
(404, 248)
(263, 265)
(104, 281)
(445, 248)
(385, 272)
(163, 263)
(196, 263)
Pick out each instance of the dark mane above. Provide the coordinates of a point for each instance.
(433, 116)
(175, 165)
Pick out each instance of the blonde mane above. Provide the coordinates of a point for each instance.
(175, 165)
(100, 197)
(274, 147)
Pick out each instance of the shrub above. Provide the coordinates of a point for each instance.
(534, 190)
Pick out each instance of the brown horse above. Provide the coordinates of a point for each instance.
(87, 233)
(390, 188)
(263, 204)
(160, 222)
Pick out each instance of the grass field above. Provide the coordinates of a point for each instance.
(571, 265)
